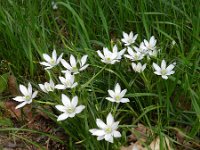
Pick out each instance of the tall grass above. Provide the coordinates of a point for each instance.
(30, 28)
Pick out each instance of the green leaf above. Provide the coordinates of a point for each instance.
(3, 82)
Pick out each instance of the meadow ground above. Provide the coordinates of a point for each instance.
(160, 113)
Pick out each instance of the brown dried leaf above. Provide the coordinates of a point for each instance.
(155, 144)
(12, 85)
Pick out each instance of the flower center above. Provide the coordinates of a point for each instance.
(52, 61)
(108, 130)
(108, 59)
(27, 97)
(163, 72)
(70, 109)
(74, 69)
(117, 98)
(68, 83)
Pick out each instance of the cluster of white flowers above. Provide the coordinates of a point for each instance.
(69, 108)
(135, 54)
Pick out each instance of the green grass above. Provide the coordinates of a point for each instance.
(30, 28)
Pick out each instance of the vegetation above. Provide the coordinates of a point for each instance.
(31, 28)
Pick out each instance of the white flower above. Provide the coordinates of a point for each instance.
(163, 70)
(47, 87)
(69, 108)
(109, 57)
(51, 61)
(138, 67)
(107, 131)
(54, 5)
(27, 97)
(151, 45)
(129, 39)
(72, 67)
(141, 49)
(117, 95)
(134, 56)
(67, 82)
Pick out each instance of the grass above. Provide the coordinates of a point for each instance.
(30, 28)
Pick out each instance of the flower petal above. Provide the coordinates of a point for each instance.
(156, 67)
(163, 64)
(79, 109)
(83, 60)
(47, 57)
(21, 105)
(110, 99)
(111, 93)
(61, 108)
(62, 117)
(117, 89)
(65, 100)
(100, 123)
(124, 100)
(19, 99)
(23, 90)
(66, 64)
(72, 61)
(117, 134)
(109, 119)
(109, 138)
(54, 55)
(74, 101)
(60, 86)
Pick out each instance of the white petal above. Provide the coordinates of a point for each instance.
(97, 132)
(111, 93)
(54, 55)
(123, 93)
(42, 88)
(115, 125)
(117, 134)
(74, 101)
(109, 119)
(83, 60)
(29, 88)
(171, 72)
(163, 64)
(100, 138)
(170, 67)
(59, 58)
(19, 99)
(125, 35)
(110, 99)
(23, 90)
(100, 123)
(84, 67)
(45, 64)
(62, 117)
(72, 61)
(71, 115)
(21, 105)
(109, 138)
(60, 86)
(100, 54)
(46, 57)
(117, 89)
(66, 100)
(124, 100)
(79, 109)
(115, 49)
(66, 64)
(34, 94)
(130, 51)
(165, 77)
(74, 85)
(158, 73)
(61, 108)
(156, 67)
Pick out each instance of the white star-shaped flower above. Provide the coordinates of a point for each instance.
(27, 97)
(149, 45)
(117, 95)
(69, 108)
(164, 71)
(134, 56)
(138, 67)
(51, 61)
(47, 86)
(129, 39)
(109, 57)
(107, 131)
(67, 82)
(73, 67)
